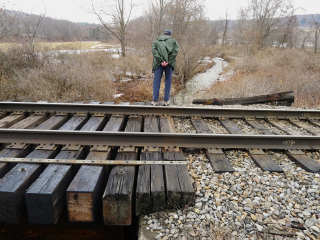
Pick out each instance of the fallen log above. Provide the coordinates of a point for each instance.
(282, 98)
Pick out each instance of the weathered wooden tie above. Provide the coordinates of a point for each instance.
(12, 193)
(150, 192)
(3, 114)
(298, 156)
(264, 161)
(84, 195)
(179, 189)
(307, 163)
(308, 127)
(283, 127)
(16, 150)
(259, 157)
(315, 122)
(217, 158)
(258, 126)
(230, 126)
(30, 122)
(46, 197)
(12, 190)
(12, 119)
(118, 197)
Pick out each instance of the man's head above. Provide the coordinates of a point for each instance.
(167, 33)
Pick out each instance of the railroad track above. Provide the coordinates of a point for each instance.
(124, 160)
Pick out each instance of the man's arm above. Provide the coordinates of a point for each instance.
(155, 52)
(174, 52)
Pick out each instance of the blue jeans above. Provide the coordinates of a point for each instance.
(157, 80)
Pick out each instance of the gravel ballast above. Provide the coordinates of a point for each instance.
(246, 204)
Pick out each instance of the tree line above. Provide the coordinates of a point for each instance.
(23, 27)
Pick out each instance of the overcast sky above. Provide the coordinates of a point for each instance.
(74, 10)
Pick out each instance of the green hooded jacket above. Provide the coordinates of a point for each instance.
(164, 48)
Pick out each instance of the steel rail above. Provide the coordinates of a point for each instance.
(155, 140)
(159, 110)
(90, 162)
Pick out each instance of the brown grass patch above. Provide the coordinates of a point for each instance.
(67, 78)
(274, 70)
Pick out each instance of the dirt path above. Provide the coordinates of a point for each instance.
(200, 82)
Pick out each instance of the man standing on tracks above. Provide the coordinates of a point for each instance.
(165, 50)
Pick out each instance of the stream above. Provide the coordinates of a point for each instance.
(200, 82)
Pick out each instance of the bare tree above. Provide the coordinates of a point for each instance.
(182, 14)
(118, 13)
(225, 28)
(31, 25)
(156, 16)
(259, 21)
(316, 25)
(8, 22)
(287, 28)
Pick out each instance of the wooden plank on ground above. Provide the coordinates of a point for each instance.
(258, 126)
(303, 161)
(230, 126)
(287, 97)
(306, 126)
(118, 196)
(264, 161)
(11, 120)
(283, 127)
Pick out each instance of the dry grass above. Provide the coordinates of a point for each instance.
(274, 70)
(68, 78)
(59, 45)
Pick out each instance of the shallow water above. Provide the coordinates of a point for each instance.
(200, 82)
